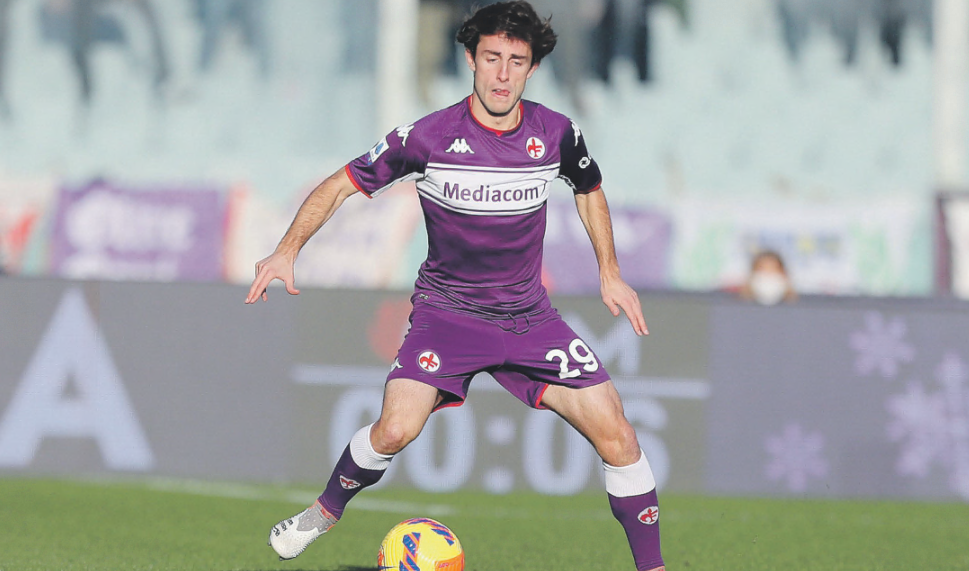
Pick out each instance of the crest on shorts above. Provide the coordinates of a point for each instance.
(429, 361)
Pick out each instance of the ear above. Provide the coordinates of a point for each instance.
(532, 71)
(470, 59)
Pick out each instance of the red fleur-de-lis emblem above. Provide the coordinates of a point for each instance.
(650, 515)
(348, 484)
(429, 361)
(535, 147)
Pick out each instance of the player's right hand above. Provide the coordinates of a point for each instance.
(275, 267)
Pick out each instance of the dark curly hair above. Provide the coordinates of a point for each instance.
(517, 20)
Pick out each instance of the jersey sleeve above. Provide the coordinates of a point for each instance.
(397, 157)
(578, 169)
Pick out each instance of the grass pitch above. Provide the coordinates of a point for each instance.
(58, 525)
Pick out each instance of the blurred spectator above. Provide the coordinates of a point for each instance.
(358, 20)
(844, 19)
(454, 58)
(768, 282)
(572, 20)
(81, 24)
(794, 16)
(216, 16)
(891, 24)
(623, 29)
(605, 35)
(896, 17)
(436, 20)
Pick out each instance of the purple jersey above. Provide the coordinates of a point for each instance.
(484, 196)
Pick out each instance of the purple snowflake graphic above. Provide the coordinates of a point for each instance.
(918, 421)
(932, 428)
(881, 346)
(796, 456)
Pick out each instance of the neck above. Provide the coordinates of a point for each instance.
(505, 122)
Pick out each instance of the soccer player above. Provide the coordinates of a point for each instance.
(483, 168)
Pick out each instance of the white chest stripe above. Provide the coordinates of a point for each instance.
(487, 191)
(453, 167)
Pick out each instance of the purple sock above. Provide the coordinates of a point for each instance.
(639, 516)
(632, 497)
(359, 467)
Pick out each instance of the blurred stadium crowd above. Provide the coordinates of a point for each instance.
(173, 140)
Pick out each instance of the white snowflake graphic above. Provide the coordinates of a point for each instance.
(796, 456)
(881, 346)
(933, 427)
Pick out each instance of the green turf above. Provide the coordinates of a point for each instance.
(49, 525)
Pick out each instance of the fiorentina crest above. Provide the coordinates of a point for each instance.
(348, 484)
(650, 515)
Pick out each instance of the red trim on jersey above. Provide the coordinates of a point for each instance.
(591, 190)
(353, 181)
(538, 401)
(521, 117)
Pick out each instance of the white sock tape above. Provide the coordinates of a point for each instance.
(633, 480)
(363, 453)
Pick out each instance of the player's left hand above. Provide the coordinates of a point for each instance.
(278, 266)
(617, 294)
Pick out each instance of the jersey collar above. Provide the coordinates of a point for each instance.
(498, 132)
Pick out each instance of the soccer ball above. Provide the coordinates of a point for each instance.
(420, 544)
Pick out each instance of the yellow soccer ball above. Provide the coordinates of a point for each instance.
(420, 544)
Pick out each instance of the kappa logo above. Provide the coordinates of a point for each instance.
(429, 361)
(578, 133)
(535, 148)
(459, 146)
(403, 132)
(396, 365)
(650, 515)
(348, 484)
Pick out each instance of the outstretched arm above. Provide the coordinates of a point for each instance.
(318, 207)
(616, 293)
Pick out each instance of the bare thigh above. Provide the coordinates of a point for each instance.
(597, 413)
(406, 408)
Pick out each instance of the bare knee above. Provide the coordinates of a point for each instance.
(391, 436)
(619, 446)
(597, 413)
(407, 404)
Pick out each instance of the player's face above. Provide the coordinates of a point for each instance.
(501, 67)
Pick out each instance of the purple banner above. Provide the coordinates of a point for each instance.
(642, 237)
(104, 231)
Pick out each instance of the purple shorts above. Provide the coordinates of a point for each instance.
(525, 355)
